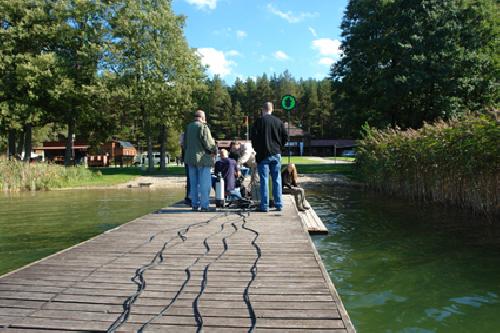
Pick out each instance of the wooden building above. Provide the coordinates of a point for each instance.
(53, 151)
(329, 147)
(120, 152)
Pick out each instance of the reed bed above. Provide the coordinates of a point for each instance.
(17, 175)
(455, 163)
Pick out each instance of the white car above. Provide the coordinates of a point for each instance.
(143, 158)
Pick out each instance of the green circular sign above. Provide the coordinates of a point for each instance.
(288, 102)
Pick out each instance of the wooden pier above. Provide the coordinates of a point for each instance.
(180, 271)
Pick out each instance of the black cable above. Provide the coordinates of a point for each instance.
(196, 311)
(187, 271)
(138, 278)
(253, 271)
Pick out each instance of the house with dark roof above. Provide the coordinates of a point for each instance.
(120, 152)
(329, 147)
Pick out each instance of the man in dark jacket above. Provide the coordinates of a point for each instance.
(268, 138)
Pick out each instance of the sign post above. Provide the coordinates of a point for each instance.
(288, 103)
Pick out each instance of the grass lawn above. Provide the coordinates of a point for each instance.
(298, 160)
(343, 169)
(113, 176)
(341, 158)
(306, 164)
(312, 160)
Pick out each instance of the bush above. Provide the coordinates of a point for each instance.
(452, 162)
(17, 175)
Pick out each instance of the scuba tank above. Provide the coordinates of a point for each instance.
(219, 191)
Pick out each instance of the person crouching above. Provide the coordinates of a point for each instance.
(289, 179)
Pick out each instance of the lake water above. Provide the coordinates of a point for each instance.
(406, 268)
(397, 267)
(36, 224)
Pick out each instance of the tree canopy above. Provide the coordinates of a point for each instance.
(407, 62)
(102, 69)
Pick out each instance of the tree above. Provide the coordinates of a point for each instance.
(154, 63)
(27, 63)
(79, 49)
(218, 108)
(325, 112)
(406, 62)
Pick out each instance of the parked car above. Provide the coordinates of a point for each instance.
(349, 153)
(142, 159)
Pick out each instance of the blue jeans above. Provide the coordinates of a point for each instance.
(270, 164)
(199, 183)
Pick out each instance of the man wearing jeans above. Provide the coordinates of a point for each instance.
(268, 138)
(199, 146)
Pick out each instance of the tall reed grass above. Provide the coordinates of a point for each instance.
(454, 162)
(16, 175)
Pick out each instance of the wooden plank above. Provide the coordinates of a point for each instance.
(312, 222)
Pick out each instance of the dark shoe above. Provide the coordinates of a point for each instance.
(262, 210)
(194, 208)
(209, 209)
(187, 201)
(279, 209)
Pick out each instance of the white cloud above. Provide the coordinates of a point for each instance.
(280, 55)
(232, 53)
(313, 32)
(216, 60)
(241, 34)
(201, 4)
(326, 61)
(289, 15)
(327, 47)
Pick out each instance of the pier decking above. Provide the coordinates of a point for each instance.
(180, 271)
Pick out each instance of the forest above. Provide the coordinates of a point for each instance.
(123, 69)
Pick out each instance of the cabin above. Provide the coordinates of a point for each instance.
(297, 140)
(329, 147)
(120, 152)
(53, 151)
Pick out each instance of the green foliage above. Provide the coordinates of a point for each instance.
(409, 62)
(452, 162)
(16, 175)
(100, 68)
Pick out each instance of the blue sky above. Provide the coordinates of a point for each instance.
(247, 38)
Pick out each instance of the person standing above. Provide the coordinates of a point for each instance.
(268, 136)
(199, 146)
(187, 199)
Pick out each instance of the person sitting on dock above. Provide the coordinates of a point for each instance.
(229, 170)
(200, 146)
(235, 150)
(289, 179)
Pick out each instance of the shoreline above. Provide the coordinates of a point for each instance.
(162, 182)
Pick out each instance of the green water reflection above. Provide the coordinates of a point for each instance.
(404, 268)
(34, 225)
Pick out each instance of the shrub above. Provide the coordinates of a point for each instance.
(452, 162)
(17, 175)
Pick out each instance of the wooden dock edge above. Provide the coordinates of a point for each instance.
(345, 316)
(311, 220)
